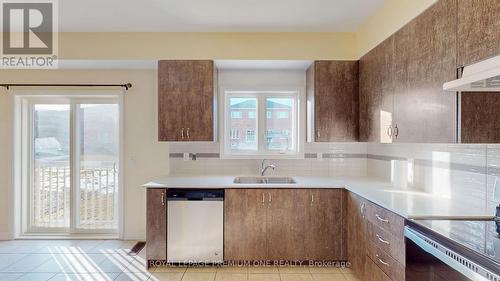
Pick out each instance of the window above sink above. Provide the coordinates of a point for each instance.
(261, 123)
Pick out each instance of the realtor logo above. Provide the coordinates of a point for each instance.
(29, 34)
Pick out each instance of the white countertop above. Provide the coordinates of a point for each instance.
(408, 203)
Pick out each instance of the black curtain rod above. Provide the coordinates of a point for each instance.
(126, 86)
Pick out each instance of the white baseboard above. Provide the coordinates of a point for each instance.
(5, 236)
(126, 236)
(139, 236)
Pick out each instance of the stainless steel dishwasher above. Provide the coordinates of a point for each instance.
(195, 226)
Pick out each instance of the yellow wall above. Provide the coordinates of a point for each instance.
(247, 45)
(6, 148)
(393, 15)
(144, 157)
(283, 45)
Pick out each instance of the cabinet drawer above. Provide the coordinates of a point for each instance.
(387, 242)
(389, 265)
(385, 219)
(373, 273)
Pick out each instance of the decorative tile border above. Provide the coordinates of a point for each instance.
(421, 162)
(343, 155)
(306, 155)
(198, 155)
(384, 157)
(310, 155)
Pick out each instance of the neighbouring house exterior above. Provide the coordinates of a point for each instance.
(279, 124)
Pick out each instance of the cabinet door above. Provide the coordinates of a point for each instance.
(286, 223)
(198, 101)
(376, 93)
(185, 100)
(478, 30)
(326, 232)
(424, 58)
(373, 273)
(245, 235)
(156, 222)
(173, 82)
(336, 107)
(478, 40)
(479, 118)
(356, 233)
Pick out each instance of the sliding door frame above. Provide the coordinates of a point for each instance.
(23, 156)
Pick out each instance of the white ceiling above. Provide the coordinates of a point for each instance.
(214, 15)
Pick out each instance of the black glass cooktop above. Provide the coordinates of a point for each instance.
(478, 236)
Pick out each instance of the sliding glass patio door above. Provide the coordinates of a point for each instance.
(74, 166)
(51, 160)
(97, 147)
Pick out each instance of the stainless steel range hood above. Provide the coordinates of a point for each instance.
(483, 76)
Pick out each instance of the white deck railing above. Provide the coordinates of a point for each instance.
(96, 196)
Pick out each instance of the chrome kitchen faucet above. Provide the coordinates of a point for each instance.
(264, 169)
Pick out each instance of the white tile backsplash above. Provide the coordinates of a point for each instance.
(463, 172)
(354, 164)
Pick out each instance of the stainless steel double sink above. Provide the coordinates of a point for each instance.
(264, 180)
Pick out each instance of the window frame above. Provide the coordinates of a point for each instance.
(261, 94)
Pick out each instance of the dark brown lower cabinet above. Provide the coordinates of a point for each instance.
(286, 219)
(375, 241)
(156, 224)
(373, 273)
(356, 234)
(284, 224)
(326, 225)
(245, 224)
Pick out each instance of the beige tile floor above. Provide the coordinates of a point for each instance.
(96, 260)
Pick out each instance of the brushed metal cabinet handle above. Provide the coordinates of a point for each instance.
(188, 134)
(163, 198)
(381, 219)
(362, 209)
(396, 131)
(389, 131)
(270, 197)
(263, 198)
(182, 133)
(381, 260)
(318, 134)
(382, 240)
(312, 198)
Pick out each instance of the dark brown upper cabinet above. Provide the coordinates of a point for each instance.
(332, 92)
(186, 98)
(478, 30)
(376, 93)
(478, 39)
(425, 58)
(480, 118)
(401, 95)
